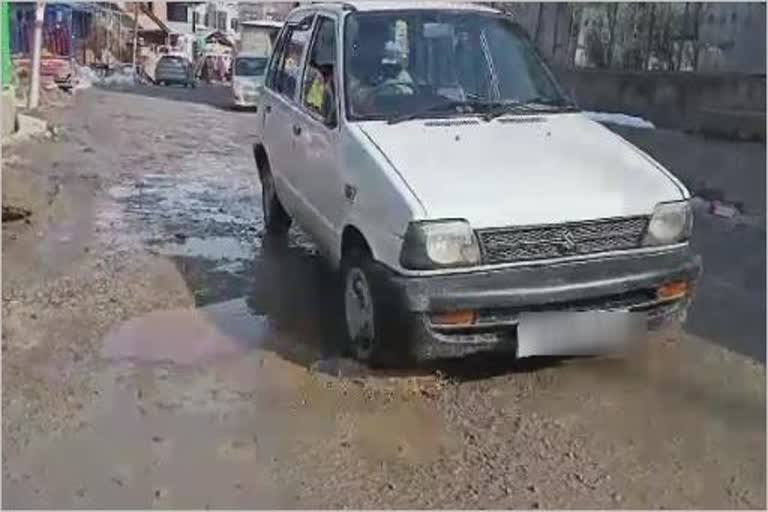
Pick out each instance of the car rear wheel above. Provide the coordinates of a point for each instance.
(277, 222)
(362, 309)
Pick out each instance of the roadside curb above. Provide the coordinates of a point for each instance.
(29, 127)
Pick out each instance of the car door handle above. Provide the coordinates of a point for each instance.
(296, 130)
(268, 109)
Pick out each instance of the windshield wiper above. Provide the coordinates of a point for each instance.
(437, 107)
(559, 104)
(533, 105)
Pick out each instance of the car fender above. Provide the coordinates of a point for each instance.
(379, 202)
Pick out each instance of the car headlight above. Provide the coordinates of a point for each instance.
(670, 223)
(439, 244)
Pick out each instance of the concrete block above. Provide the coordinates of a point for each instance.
(8, 112)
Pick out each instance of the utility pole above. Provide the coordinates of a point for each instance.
(109, 29)
(34, 83)
(135, 35)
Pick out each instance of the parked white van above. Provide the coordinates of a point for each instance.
(257, 38)
(247, 78)
(431, 155)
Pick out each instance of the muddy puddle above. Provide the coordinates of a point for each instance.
(188, 336)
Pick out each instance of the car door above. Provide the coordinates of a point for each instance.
(280, 109)
(317, 133)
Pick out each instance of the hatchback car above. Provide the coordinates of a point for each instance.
(173, 70)
(468, 204)
(247, 78)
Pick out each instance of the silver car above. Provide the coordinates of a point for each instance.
(247, 78)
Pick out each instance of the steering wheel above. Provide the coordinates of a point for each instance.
(378, 88)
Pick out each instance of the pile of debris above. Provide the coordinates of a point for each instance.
(121, 74)
(55, 72)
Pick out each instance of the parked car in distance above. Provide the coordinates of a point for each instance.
(465, 200)
(175, 70)
(247, 78)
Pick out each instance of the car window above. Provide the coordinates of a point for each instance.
(320, 76)
(176, 62)
(288, 73)
(276, 59)
(402, 62)
(250, 66)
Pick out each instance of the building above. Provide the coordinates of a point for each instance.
(264, 10)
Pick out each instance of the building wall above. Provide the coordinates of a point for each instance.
(731, 104)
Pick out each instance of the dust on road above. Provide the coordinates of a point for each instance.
(156, 353)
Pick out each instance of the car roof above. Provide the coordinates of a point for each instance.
(372, 6)
(262, 23)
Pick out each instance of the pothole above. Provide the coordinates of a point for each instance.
(13, 213)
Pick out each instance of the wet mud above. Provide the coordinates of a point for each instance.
(183, 361)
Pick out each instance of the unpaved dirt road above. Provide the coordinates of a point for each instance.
(157, 354)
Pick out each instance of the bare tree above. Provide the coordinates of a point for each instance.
(613, 10)
(135, 34)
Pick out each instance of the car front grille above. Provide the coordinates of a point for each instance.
(506, 245)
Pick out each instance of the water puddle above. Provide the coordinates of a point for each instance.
(212, 248)
(188, 336)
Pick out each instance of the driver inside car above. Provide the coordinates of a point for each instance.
(394, 75)
(381, 72)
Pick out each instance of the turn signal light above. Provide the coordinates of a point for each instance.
(462, 317)
(673, 290)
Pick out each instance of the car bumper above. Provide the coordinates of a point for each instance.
(498, 297)
(246, 101)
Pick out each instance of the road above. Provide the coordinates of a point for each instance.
(156, 353)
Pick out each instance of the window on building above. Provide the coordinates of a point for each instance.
(177, 12)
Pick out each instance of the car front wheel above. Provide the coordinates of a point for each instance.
(277, 222)
(362, 309)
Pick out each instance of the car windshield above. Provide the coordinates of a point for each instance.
(175, 62)
(419, 62)
(250, 66)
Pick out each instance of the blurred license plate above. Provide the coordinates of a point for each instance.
(579, 333)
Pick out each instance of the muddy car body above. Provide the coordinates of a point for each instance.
(441, 169)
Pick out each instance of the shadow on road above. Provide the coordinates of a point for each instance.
(293, 286)
(215, 95)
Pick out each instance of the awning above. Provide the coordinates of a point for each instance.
(148, 22)
(217, 36)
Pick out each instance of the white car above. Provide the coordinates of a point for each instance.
(434, 160)
(247, 78)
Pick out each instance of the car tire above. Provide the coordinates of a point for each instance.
(277, 222)
(364, 319)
